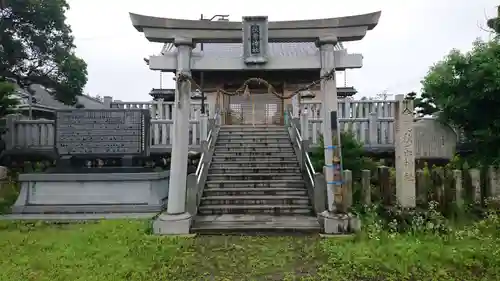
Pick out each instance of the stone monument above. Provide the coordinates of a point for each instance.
(98, 137)
(99, 134)
(405, 152)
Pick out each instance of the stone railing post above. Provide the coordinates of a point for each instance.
(373, 128)
(319, 197)
(295, 106)
(10, 135)
(203, 127)
(304, 124)
(302, 157)
(405, 152)
(191, 194)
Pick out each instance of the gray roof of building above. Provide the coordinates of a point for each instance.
(291, 49)
(44, 98)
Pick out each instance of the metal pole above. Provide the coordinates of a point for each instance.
(201, 81)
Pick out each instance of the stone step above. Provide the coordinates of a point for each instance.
(255, 200)
(236, 150)
(273, 183)
(252, 126)
(254, 145)
(256, 155)
(255, 209)
(256, 134)
(253, 158)
(253, 141)
(240, 191)
(221, 163)
(250, 137)
(253, 129)
(254, 170)
(231, 140)
(255, 224)
(252, 176)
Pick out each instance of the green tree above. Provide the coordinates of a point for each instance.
(424, 105)
(36, 47)
(465, 87)
(8, 101)
(494, 23)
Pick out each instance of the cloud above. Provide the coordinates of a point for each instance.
(411, 36)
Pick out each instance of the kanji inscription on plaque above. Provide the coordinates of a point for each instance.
(102, 132)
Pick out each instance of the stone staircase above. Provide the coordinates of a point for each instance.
(254, 184)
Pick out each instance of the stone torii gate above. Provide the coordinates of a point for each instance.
(255, 33)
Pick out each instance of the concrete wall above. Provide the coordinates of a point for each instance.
(96, 193)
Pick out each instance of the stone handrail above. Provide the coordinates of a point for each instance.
(315, 182)
(196, 181)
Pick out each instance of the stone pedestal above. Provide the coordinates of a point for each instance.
(168, 224)
(82, 193)
(339, 223)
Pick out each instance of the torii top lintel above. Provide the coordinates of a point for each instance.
(165, 30)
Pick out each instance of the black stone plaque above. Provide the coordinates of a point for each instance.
(254, 39)
(106, 132)
(333, 120)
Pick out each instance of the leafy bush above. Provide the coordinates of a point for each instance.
(9, 190)
(352, 156)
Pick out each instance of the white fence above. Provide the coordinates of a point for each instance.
(372, 122)
(39, 134)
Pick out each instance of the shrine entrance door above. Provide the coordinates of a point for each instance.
(257, 108)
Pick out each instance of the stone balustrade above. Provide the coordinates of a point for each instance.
(370, 121)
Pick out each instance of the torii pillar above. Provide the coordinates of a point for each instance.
(177, 220)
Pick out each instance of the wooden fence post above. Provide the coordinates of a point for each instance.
(385, 185)
(493, 181)
(366, 190)
(458, 192)
(346, 191)
(475, 176)
(421, 188)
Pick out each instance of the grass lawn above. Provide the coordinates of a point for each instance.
(122, 250)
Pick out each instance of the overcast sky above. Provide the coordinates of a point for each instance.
(410, 37)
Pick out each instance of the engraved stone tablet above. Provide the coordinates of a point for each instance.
(117, 132)
(255, 40)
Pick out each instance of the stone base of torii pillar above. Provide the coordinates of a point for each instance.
(170, 224)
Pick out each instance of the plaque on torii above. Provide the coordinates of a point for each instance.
(255, 39)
